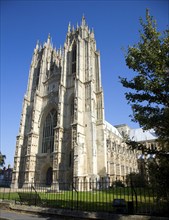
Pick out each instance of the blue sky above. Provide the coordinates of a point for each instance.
(116, 25)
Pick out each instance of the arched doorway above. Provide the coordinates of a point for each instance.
(49, 175)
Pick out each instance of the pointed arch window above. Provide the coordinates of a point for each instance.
(74, 59)
(48, 131)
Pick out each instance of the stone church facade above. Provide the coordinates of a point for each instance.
(63, 134)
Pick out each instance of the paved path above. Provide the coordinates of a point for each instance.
(10, 215)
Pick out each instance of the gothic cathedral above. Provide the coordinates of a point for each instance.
(63, 134)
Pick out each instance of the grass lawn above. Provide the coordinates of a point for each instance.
(97, 200)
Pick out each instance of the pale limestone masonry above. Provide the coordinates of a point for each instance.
(63, 134)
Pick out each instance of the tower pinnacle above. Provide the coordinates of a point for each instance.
(69, 27)
(83, 21)
(37, 44)
(48, 41)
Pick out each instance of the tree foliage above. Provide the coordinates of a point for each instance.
(158, 177)
(135, 180)
(149, 98)
(2, 159)
(149, 88)
(118, 183)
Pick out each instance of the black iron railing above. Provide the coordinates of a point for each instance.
(99, 196)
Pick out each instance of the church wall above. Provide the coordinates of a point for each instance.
(69, 81)
(120, 159)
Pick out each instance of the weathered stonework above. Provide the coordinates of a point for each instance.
(63, 134)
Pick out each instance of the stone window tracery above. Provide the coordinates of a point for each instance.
(48, 131)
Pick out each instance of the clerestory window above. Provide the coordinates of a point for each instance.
(48, 131)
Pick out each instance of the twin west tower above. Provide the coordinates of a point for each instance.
(63, 133)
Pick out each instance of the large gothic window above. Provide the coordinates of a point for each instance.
(48, 132)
